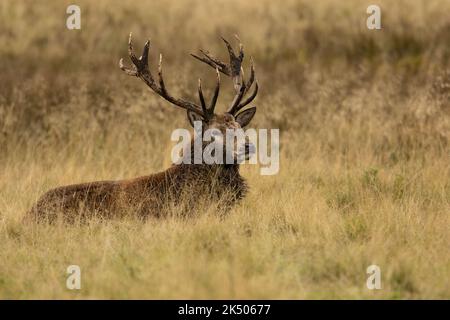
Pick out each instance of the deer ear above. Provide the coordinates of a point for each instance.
(244, 117)
(192, 117)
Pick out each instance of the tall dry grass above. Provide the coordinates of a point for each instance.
(365, 132)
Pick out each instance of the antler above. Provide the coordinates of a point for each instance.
(235, 71)
(209, 111)
(141, 70)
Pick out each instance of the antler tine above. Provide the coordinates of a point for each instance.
(252, 75)
(241, 48)
(212, 61)
(133, 70)
(202, 99)
(141, 70)
(229, 48)
(216, 93)
(128, 71)
(144, 56)
(160, 76)
(237, 98)
(137, 62)
(248, 100)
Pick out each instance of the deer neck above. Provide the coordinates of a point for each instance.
(212, 170)
(225, 174)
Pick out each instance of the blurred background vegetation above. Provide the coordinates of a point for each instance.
(318, 66)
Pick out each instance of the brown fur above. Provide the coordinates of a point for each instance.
(152, 195)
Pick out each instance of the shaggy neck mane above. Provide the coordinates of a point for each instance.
(222, 178)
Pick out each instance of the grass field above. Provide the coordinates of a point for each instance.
(364, 119)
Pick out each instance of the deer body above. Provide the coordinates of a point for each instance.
(183, 183)
(146, 196)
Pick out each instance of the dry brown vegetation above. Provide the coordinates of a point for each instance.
(365, 132)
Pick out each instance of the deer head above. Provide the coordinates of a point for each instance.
(233, 118)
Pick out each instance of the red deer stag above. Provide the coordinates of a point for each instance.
(149, 195)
